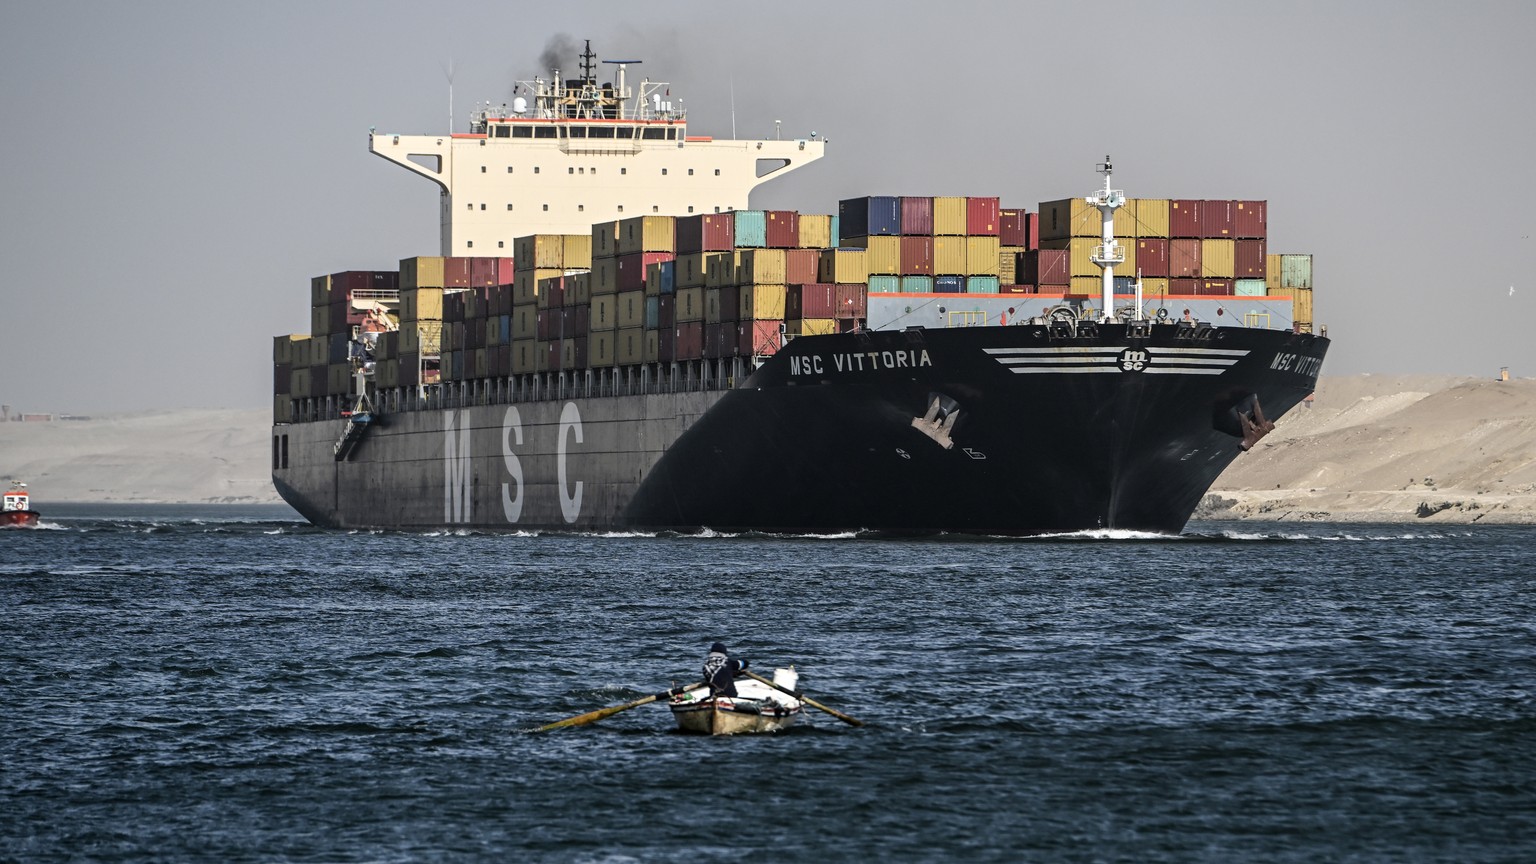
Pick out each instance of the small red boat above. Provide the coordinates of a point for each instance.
(17, 511)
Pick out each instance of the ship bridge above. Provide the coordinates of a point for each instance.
(565, 154)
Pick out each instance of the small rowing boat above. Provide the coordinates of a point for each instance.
(756, 707)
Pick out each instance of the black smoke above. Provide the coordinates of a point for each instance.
(561, 52)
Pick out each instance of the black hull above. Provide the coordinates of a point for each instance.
(987, 430)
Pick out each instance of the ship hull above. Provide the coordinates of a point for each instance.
(989, 430)
(19, 518)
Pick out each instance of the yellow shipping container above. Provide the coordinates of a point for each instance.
(605, 240)
(949, 255)
(286, 348)
(421, 304)
(578, 289)
(1008, 264)
(1271, 272)
(299, 382)
(948, 216)
(1151, 217)
(646, 234)
(689, 305)
(720, 269)
(691, 270)
(815, 230)
(1301, 303)
(760, 265)
(600, 353)
(1156, 286)
(1091, 285)
(652, 347)
(526, 284)
(846, 265)
(1218, 259)
(578, 252)
(762, 302)
(605, 276)
(630, 346)
(604, 314)
(541, 355)
(712, 305)
(421, 337)
(545, 292)
(981, 255)
(810, 326)
(320, 291)
(425, 271)
(882, 254)
(525, 322)
(540, 250)
(631, 309)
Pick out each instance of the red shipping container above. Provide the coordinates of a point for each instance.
(1011, 229)
(690, 341)
(758, 338)
(578, 319)
(1250, 258)
(1152, 257)
(579, 348)
(916, 256)
(783, 228)
(1046, 267)
(916, 215)
(666, 310)
(1031, 230)
(981, 217)
(547, 324)
(1184, 259)
(482, 271)
(852, 300)
(816, 300)
(1218, 219)
(631, 268)
(1017, 289)
(730, 304)
(552, 356)
(705, 232)
(666, 344)
(1251, 220)
(504, 273)
(1214, 287)
(800, 265)
(1184, 218)
(456, 273)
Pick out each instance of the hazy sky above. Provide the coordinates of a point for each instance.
(175, 172)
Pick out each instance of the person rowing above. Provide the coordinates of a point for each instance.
(721, 669)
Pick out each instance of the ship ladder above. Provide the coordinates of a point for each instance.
(351, 433)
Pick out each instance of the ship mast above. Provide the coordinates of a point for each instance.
(1110, 253)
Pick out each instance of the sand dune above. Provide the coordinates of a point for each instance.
(1371, 448)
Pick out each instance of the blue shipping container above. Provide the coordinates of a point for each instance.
(668, 279)
(751, 227)
(870, 216)
(949, 284)
(653, 313)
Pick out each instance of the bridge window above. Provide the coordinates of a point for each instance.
(671, 134)
(545, 132)
(601, 132)
(522, 131)
(502, 131)
(578, 131)
(653, 134)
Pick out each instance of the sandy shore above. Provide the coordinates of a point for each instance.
(1372, 448)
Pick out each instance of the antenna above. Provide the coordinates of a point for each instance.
(448, 73)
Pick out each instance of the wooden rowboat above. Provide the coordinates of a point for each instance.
(756, 707)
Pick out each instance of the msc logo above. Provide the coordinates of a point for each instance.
(1134, 360)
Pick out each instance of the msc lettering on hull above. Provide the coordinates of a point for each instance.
(860, 361)
(1301, 364)
(458, 477)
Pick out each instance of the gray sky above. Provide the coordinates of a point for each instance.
(174, 172)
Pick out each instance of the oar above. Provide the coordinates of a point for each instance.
(594, 716)
(806, 699)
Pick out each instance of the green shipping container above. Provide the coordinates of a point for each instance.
(915, 285)
(885, 284)
(1250, 288)
(1296, 271)
(981, 285)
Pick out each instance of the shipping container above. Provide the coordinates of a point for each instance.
(1250, 220)
(1301, 304)
(848, 264)
(1152, 256)
(526, 284)
(629, 268)
(816, 231)
(689, 341)
(816, 300)
(890, 284)
(1080, 255)
(320, 290)
(661, 278)
(551, 292)
(761, 302)
(641, 234)
(760, 265)
(578, 251)
(750, 229)
(852, 301)
(691, 270)
(1152, 218)
(1155, 286)
(981, 285)
(1069, 217)
(982, 217)
(1250, 288)
(811, 326)
(1218, 220)
(916, 256)
(600, 352)
(1214, 287)
(1184, 258)
(286, 348)
(949, 284)
(882, 253)
(543, 250)
(1272, 271)
(759, 338)
(455, 273)
(631, 309)
(949, 255)
(604, 314)
(705, 232)
(782, 229)
(689, 305)
(800, 265)
(1008, 264)
(981, 253)
(1296, 271)
(282, 379)
(729, 301)
(949, 216)
(1092, 286)
(1218, 258)
(871, 216)
(1012, 230)
(422, 272)
(720, 269)
(1047, 267)
(916, 215)
(1184, 219)
(605, 241)
(1249, 258)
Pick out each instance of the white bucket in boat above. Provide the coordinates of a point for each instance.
(786, 678)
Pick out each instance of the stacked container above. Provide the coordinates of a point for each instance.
(922, 245)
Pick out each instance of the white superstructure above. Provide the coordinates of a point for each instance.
(578, 153)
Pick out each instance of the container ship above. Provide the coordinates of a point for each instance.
(611, 339)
